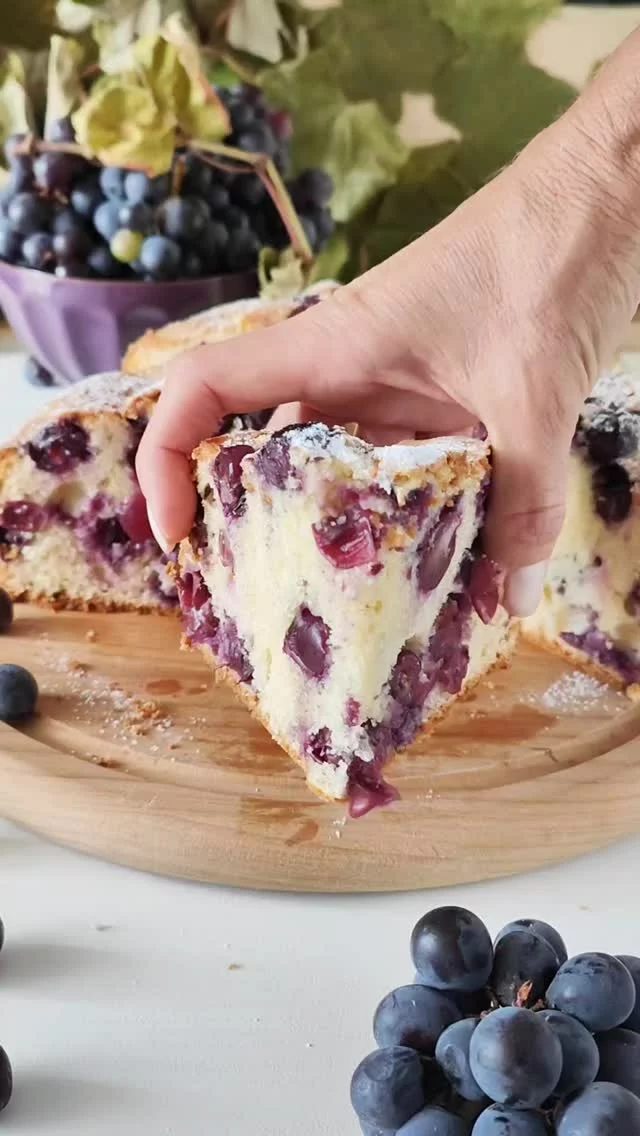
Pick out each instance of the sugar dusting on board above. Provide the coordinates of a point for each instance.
(573, 693)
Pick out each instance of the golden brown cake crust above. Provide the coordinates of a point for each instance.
(156, 348)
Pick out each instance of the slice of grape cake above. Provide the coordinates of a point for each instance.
(591, 606)
(74, 530)
(341, 589)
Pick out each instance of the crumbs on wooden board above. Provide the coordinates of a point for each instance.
(572, 693)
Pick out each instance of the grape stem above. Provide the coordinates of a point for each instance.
(266, 170)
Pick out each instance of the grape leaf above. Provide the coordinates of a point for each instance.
(472, 21)
(363, 154)
(132, 118)
(15, 108)
(64, 86)
(281, 275)
(330, 262)
(27, 23)
(256, 26)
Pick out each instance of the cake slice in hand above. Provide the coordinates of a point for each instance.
(74, 530)
(591, 606)
(342, 591)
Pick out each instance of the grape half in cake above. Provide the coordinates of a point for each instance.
(342, 591)
(74, 530)
(591, 606)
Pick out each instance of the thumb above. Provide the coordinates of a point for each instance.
(526, 512)
(250, 373)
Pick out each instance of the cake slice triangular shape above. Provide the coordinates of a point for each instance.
(341, 589)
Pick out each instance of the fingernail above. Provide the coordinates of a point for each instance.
(165, 545)
(523, 589)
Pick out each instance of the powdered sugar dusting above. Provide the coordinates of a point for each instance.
(573, 693)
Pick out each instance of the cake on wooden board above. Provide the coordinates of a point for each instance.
(342, 591)
(591, 606)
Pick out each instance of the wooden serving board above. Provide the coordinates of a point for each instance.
(138, 758)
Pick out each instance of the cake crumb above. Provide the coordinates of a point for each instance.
(91, 635)
(77, 667)
(235, 966)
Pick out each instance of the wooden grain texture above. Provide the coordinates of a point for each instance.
(512, 780)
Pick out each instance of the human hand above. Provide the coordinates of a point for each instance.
(502, 315)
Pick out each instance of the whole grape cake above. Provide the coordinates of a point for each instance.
(61, 213)
(518, 1041)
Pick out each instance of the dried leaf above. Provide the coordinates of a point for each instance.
(281, 275)
(131, 119)
(64, 86)
(15, 108)
(256, 26)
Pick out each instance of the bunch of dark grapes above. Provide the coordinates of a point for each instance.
(63, 214)
(509, 1038)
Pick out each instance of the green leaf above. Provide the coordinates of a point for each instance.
(363, 154)
(256, 26)
(281, 275)
(64, 86)
(472, 21)
(329, 263)
(498, 99)
(15, 108)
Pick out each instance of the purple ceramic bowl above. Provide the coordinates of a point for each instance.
(76, 328)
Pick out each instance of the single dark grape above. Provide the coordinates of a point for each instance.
(523, 964)
(191, 265)
(413, 1016)
(138, 217)
(160, 257)
(313, 187)
(183, 219)
(21, 173)
(86, 197)
(501, 1121)
(387, 1087)
(324, 223)
(218, 198)
(72, 245)
(54, 171)
(36, 374)
(242, 251)
(515, 1058)
(66, 220)
(73, 270)
(597, 989)
(28, 214)
(259, 139)
(542, 930)
(112, 182)
(212, 246)
(451, 950)
(373, 1130)
(434, 1121)
(18, 693)
(620, 1058)
(234, 219)
(198, 177)
(61, 130)
(580, 1058)
(102, 264)
(10, 242)
(452, 1055)
(6, 622)
(601, 1109)
(106, 219)
(633, 966)
(37, 251)
(6, 1080)
(139, 187)
(248, 191)
(242, 115)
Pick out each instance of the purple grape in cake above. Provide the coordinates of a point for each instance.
(591, 606)
(342, 590)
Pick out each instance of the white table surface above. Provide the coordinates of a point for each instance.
(150, 1007)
